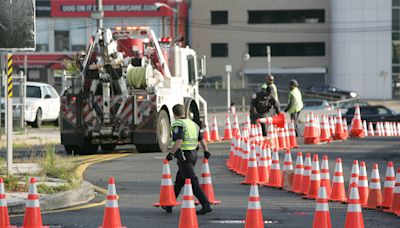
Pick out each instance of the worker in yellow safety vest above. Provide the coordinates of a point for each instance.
(186, 136)
(295, 103)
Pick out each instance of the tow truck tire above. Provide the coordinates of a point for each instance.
(38, 121)
(108, 147)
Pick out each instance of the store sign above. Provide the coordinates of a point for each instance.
(116, 8)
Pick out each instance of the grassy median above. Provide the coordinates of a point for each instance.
(52, 165)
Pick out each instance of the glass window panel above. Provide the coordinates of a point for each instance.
(287, 49)
(219, 50)
(219, 17)
(286, 16)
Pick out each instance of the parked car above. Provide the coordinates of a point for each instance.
(374, 113)
(317, 106)
(42, 103)
(331, 90)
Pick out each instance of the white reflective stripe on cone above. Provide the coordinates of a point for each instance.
(166, 169)
(166, 182)
(205, 180)
(205, 168)
(316, 177)
(325, 176)
(354, 208)
(389, 184)
(299, 171)
(2, 191)
(32, 203)
(263, 163)
(112, 204)
(188, 191)
(32, 189)
(322, 207)
(188, 204)
(338, 179)
(363, 183)
(307, 172)
(396, 190)
(3, 203)
(252, 164)
(354, 180)
(275, 166)
(254, 205)
(375, 185)
(111, 189)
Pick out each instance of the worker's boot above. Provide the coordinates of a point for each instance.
(167, 209)
(204, 210)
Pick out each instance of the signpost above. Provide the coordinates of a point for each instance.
(228, 70)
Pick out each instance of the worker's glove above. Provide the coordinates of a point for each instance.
(170, 156)
(207, 155)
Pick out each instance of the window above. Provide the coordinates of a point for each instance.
(219, 50)
(52, 92)
(42, 35)
(61, 41)
(286, 16)
(383, 111)
(287, 49)
(78, 40)
(191, 69)
(219, 17)
(33, 91)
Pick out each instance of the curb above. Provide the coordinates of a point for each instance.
(81, 195)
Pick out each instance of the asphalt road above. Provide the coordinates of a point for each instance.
(138, 183)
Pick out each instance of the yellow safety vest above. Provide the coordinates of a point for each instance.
(191, 136)
(296, 100)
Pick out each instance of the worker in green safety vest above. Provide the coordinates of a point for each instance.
(269, 82)
(186, 136)
(295, 103)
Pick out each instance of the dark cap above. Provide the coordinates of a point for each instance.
(294, 82)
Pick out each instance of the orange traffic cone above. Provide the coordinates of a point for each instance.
(322, 217)
(306, 131)
(275, 172)
(332, 126)
(277, 120)
(365, 128)
(214, 135)
(260, 133)
(287, 167)
(269, 158)
(229, 161)
(338, 192)
(315, 179)
(388, 186)
(345, 128)
(245, 157)
(312, 135)
(227, 130)
(282, 139)
(354, 217)
(363, 184)
(206, 132)
(357, 130)
(4, 218)
(33, 217)
(325, 132)
(254, 217)
(248, 121)
(206, 183)
(263, 172)
(375, 191)
(235, 129)
(238, 154)
(292, 136)
(325, 177)
(395, 207)
(112, 218)
(298, 173)
(252, 169)
(371, 131)
(287, 136)
(306, 174)
(339, 131)
(167, 194)
(378, 131)
(355, 172)
(188, 217)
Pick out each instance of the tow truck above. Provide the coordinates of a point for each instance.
(124, 94)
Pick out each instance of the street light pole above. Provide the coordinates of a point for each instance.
(100, 11)
(246, 58)
(176, 13)
(228, 70)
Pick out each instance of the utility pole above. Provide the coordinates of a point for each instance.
(228, 70)
(98, 14)
(269, 59)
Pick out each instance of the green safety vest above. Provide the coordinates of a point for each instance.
(275, 90)
(295, 100)
(191, 130)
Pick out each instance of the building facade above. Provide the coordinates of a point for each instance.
(64, 27)
(353, 44)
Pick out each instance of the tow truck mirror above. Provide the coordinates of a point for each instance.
(202, 71)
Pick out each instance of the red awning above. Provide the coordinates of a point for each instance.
(53, 61)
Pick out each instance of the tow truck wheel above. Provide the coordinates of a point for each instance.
(163, 131)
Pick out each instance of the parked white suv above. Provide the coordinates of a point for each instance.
(42, 103)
